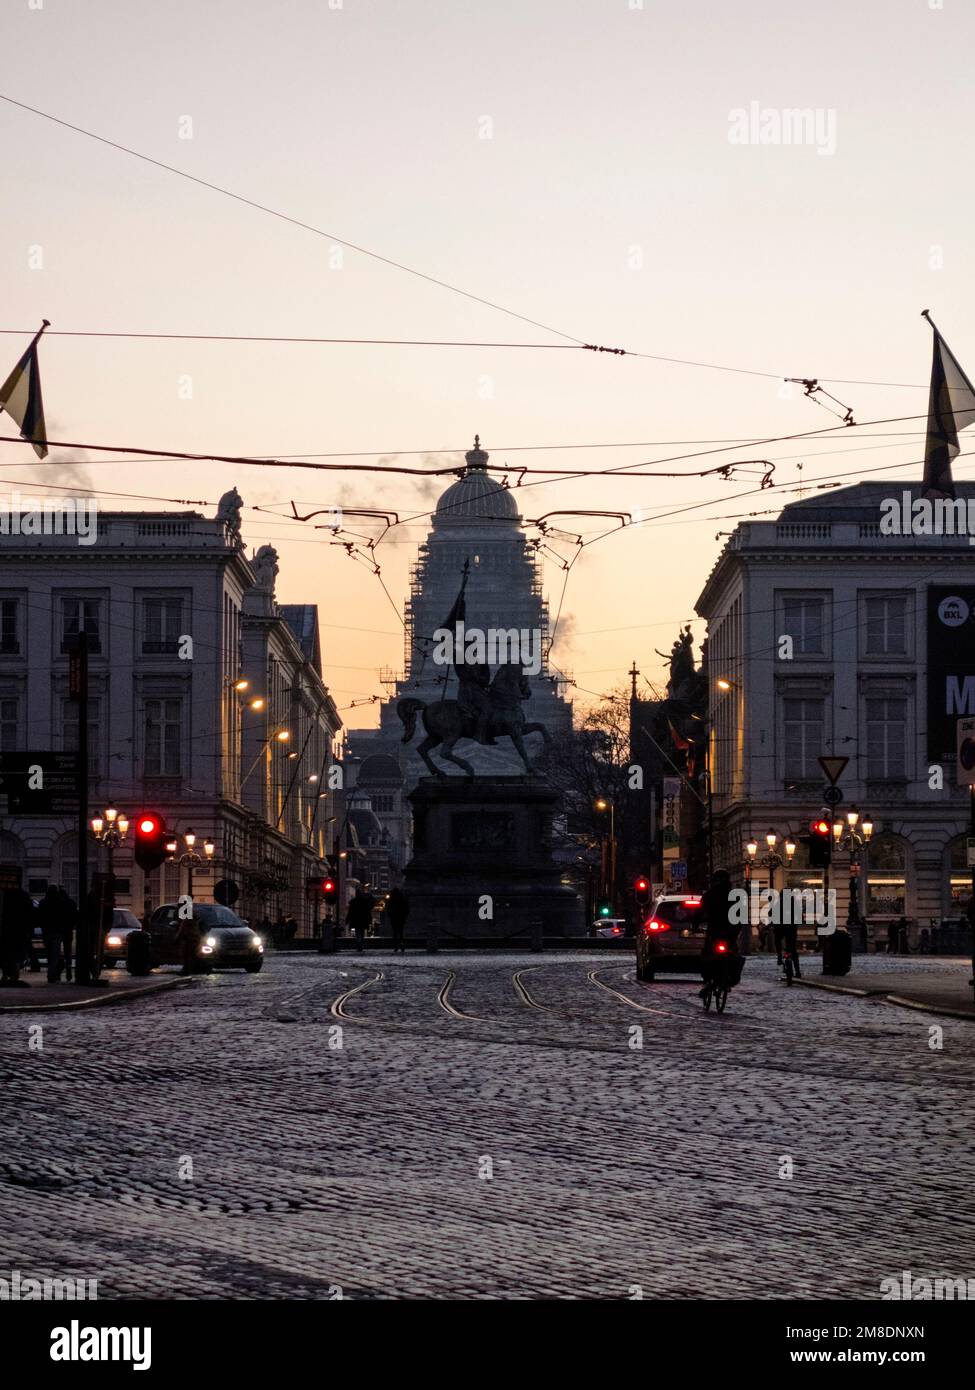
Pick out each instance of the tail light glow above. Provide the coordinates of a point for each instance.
(654, 925)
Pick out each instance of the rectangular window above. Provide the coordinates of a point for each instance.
(69, 726)
(804, 619)
(9, 724)
(886, 625)
(886, 737)
(163, 728)
(162, 625)
(81, 615)
(9, 626)
(804, 721)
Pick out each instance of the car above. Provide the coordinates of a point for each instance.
(226, 941)
(609, 928)
(116, 938)
(671, 939)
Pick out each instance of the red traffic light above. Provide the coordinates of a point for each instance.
(328, 885)
(642, 885)
(819, 827)
(150, 838)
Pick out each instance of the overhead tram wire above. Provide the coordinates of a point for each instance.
(419, 274)
(293, 221)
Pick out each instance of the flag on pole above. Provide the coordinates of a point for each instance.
(20, 397)
(951, 406)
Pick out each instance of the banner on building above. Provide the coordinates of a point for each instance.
(951, 665)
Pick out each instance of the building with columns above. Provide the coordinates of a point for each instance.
(176, 617)
(834, 638)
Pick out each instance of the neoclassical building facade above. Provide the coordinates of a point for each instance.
(833, 638)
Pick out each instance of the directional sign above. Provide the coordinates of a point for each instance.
(56, 778)
(678, 869)
(832, 795)
(833, 768)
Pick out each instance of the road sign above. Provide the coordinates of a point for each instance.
(971, 852)
(58, 776)
(678, 869)
(656, 891)
(832, 795)
(226, 892)
(966, 752)
(833, 768)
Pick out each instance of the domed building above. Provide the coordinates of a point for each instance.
(476, 524)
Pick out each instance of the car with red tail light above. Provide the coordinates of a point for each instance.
(671, 937)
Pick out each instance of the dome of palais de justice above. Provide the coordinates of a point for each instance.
(475, 498)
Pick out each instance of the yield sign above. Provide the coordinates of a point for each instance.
(833, 768)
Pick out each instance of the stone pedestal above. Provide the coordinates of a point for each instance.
(482, 865)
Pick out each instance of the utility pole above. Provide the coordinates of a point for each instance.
(78, 692)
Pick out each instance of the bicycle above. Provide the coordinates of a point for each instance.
(723, 971)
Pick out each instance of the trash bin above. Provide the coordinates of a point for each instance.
(137, 958)
(837, 953)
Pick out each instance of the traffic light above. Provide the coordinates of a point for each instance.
(604, 908)
(820, 842)
(641, 889)
(150, 841)
(330, 891)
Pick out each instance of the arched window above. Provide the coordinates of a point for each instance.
(959, 877)
(886, 877)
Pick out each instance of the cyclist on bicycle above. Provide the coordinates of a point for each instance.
(790, 946)
(716, 911)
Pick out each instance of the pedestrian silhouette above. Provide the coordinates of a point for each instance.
(50, 911)
(69, 920)
(397, 910)
(359, 915)
(17, 915)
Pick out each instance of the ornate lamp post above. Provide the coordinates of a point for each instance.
(853, 836)
(189, 857)
(772, 860)
(110, 830)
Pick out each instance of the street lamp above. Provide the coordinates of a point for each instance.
(602, 803)
(108, 829)
(190, 857)
(773, 859)
(854, 836)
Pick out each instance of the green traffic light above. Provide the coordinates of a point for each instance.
(604, 911)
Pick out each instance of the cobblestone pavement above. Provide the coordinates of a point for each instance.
(523, 1145)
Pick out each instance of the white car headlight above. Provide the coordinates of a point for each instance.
(212, 942)
(113, 941)
(258, 944)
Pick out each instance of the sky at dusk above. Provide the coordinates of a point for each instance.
(567, 159)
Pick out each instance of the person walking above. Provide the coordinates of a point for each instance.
(359, 915)
(68, 920)
(397, 910)
(188, 936)
(50, 910)
(16, 935)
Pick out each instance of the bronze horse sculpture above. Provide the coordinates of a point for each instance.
(445, 722)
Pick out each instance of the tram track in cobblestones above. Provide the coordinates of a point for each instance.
(337, 1007)
(443, 1000)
